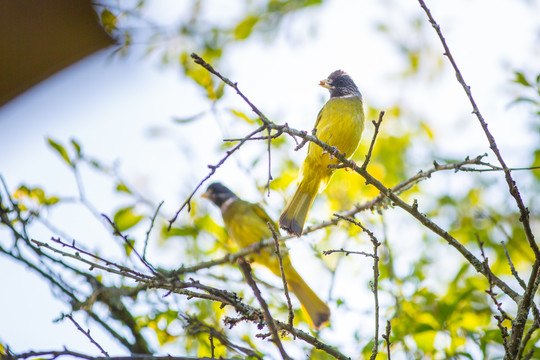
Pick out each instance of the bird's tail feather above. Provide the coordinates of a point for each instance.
(294, 215)
(318, 312)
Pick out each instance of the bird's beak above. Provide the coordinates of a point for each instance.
(324, 84)
(206, 195)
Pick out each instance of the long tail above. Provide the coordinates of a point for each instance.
(318, 312)
(294, 215)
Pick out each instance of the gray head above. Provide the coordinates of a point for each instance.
(340, 84)
(219, 193)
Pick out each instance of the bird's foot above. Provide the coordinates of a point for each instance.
(351, 169)
(331, 154)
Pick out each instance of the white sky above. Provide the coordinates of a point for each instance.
(109, 105)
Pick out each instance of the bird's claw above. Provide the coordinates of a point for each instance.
(334, 150)
(351, 169)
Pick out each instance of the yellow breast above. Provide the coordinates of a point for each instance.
(340, 124)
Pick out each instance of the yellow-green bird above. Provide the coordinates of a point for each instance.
(247, 225)
(340, 123)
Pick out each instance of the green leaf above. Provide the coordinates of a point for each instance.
(191, 231)
(121, 187)
(128, 248)
(108, 20)
(520, 79)
(242, 116)
(76, 146)
(525, 99)
(188, 119)
(36, 195)
(536, 163)
(425, 340)
(126, 218)
(60, 150)
(245, 27)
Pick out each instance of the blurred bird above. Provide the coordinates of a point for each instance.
(247, 225)
(340, 123)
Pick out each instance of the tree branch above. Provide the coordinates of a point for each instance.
(246, 270)
(518, 325)
(386, 192)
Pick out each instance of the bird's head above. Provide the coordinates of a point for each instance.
(218, 193)
(340, 84)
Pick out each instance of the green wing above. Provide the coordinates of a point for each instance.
(318, 117)
(264, 216)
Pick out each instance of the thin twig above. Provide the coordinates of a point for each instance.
(526, 340)
(87, 334)
(209, 67)
(497, 168)
(386, 337)
(493, 146)
(375, 133)
(375, 283)
(518, 325)
(128, 243)
(330, 350)
(246, 270)
(197, 325)
(304, 141)
(150, 229)
(212, 347)
(122, 270)
(283, 278)
(213, 169)
(269, 161)
(229, 258)
(224, 297)
(256, 138)
(73, 354)
(504, 316)
(346, 252)
(385, 192)
(512, 268)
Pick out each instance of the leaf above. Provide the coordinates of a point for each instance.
(520, 79)
(60, 150)
(191, 231)
(126, 218)
(242, 116)
(76, 146)
(121, 187)
(128, 248)
(425, 340)
(525, 99)
(37, 195)
(108, 20)
(536, 163)
(245, 27)
(427, 130)
(188, 119)
(21, 192)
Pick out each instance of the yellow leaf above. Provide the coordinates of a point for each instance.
(424, 340)
(60, 150)
(243, 116)
(427, 130)
(245, 27)
(126, 218)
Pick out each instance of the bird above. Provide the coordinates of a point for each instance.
(247, 224)
(340, 124)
